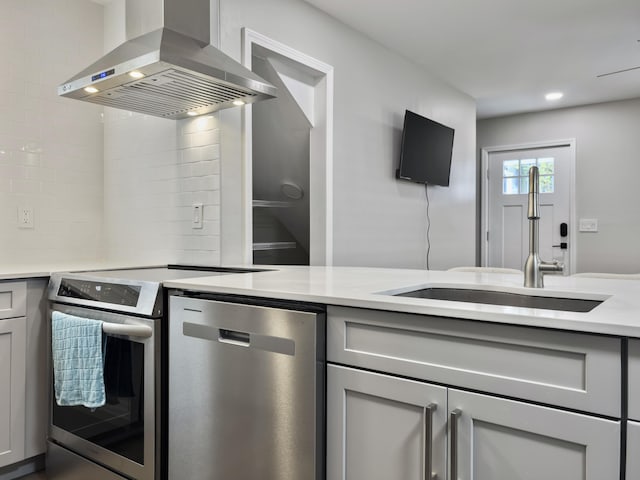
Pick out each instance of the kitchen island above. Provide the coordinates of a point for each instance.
(373, 288)
(419, 387)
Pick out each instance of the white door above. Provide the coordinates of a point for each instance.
(507, 197)
(493, 438)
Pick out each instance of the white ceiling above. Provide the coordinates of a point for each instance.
(508, 53)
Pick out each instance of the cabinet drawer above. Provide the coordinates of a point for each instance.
(634, 379)
(13, 299)
(572, 370)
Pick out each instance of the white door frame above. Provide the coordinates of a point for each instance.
(486, 151)
(320, 161)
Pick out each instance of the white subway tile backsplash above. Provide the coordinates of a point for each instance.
(166, 171)
(102, 182)
(50, 148)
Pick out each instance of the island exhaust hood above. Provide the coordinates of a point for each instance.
(170, 72)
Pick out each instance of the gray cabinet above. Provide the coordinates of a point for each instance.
(37, 374)
(382, 427)
(633, 425)
(493, 438)
(633, 447)
(13, 327)
(513, 397)
(634, 379)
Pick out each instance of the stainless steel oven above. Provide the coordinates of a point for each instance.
(121, 435)
(122, 439)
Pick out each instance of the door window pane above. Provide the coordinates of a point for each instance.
(510, 168)
(545, 165)
(525, 165)
(546, 184)
(510, 186)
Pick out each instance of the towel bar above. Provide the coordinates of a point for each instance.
(143, 331)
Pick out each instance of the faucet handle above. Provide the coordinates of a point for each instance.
(552, 267)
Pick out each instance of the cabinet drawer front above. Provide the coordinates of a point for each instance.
(572, 370)
(634, 379)
(13, 299)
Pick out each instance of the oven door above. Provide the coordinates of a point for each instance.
(121, 434)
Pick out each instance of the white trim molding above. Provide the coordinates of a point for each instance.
(321, 155)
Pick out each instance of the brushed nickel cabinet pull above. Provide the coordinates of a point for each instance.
(428, 441)
(453, 425)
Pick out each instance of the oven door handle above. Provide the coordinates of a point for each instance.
(124, 329)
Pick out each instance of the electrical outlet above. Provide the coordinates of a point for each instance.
(196, 218)
(588, 224)
(25, 217)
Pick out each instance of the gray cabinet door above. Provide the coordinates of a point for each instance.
(496, 439)
(634, 379)
(12, 390)
(378, 427)
(633, 447)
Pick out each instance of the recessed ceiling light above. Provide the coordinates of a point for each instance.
(238, 103)
(554, 96)
(192, 113)
(136, 74)
(91, 89)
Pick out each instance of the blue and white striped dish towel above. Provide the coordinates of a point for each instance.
(76, 345)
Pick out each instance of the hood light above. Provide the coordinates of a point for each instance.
(553, 96)
(136, 74)
(91, 89)
(192, 113)
(238, 103)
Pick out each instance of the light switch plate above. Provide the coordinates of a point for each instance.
(196, 219)
(588, 224)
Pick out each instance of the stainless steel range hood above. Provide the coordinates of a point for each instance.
(179, 73)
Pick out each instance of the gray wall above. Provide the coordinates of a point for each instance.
(607, 172)
(378, 221)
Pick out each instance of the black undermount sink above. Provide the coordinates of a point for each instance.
(504, 298)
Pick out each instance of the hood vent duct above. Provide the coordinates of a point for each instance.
(178, 73)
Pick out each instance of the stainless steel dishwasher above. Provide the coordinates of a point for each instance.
(246, 389)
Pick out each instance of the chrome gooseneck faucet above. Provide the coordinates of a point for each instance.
(534, 268)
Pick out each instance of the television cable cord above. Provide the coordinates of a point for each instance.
(426, 193)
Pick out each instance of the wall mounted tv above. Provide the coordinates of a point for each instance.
(426, 149)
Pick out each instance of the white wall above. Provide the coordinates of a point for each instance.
(378, 221)
(154, 171)
(607, 173)
(50, 147)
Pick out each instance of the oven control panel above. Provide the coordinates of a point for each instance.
(103, 292)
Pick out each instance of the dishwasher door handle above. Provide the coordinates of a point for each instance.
(234, 337)
(257, 341)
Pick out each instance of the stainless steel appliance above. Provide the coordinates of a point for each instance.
(122, 438)
(246, 389)
(169, 72)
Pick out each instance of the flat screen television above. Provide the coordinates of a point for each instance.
(426, 149)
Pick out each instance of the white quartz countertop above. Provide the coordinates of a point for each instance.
(25, 271)
(372, 288)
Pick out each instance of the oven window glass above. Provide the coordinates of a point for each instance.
(119, 424)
